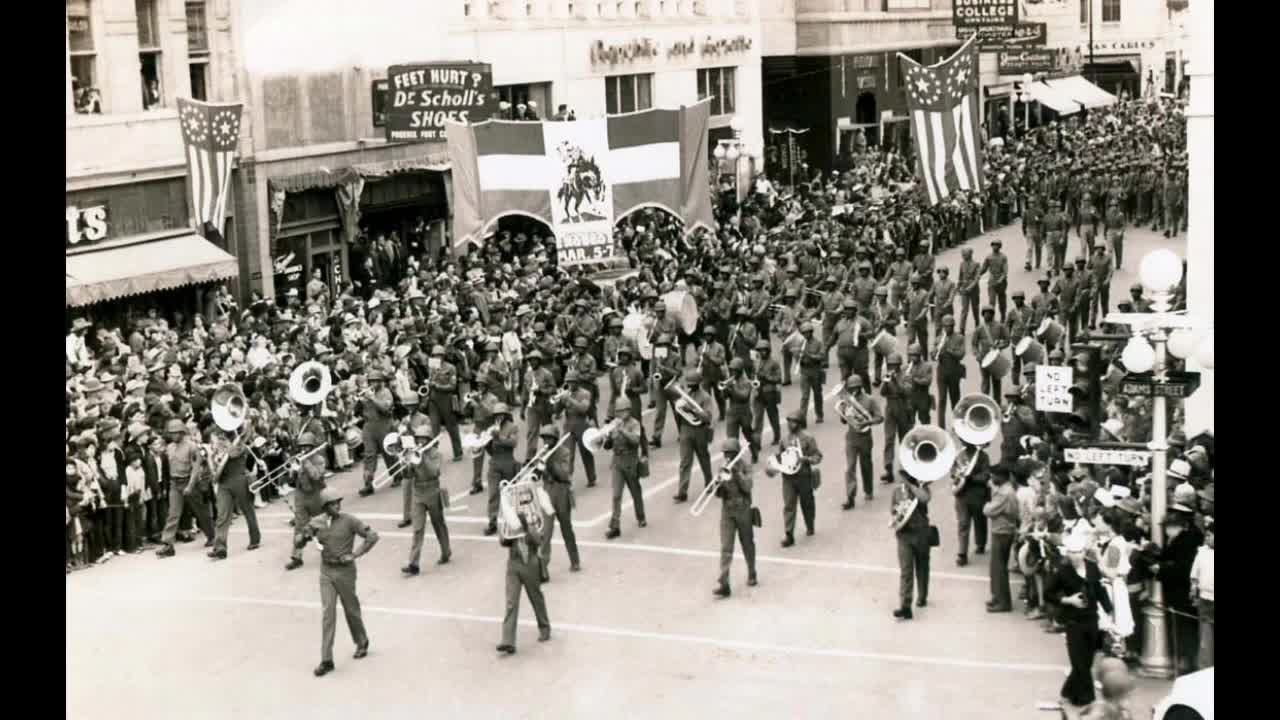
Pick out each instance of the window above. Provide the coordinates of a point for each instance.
(1085, 7)
(198, 50)
(890, 5)
(628, 93)
(149, 54)
(536, 97)
(1110, 11)
(718, 84)
(84, 77)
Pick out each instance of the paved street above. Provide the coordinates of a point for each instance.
(194, 639)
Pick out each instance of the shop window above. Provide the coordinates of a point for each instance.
(379, 102)
(1110, 11)
(628, 93)
(1086, 9)
(149, 54)
(84, 60)
(198, 50)
(516, 95)
(718, 84)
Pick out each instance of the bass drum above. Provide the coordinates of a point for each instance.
(681, 306)
(635, 327)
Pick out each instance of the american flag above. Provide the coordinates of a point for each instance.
(210, 133)
(943, 100)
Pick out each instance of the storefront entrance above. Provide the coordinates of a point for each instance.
(1120, 76)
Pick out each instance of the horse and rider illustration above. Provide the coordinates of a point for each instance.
(582, 181)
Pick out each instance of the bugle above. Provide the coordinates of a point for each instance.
(710, 490)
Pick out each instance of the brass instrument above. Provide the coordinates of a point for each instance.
(523, 497)
(937, 351)
(788, 461)
(593, 438)
(795, 366)
(960, 474)
(975, 419)
(927, 453)
(902, 511)
(561, 393)
(476, 443)
(424, 392)
(310, 383)
(732, 337)
(852, 413)
(755, 383)
(685, 404)
(407, 455)
(294, 465)
(710, 490)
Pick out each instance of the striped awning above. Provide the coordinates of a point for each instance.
(112, 272)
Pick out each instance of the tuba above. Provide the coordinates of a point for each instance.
(976, 419)
(229, 407)
(310, 383)
(685, 405)
(852, 413)
(523, 496)
(927, 453)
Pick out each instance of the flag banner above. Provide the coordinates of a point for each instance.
(945, 108)
(580, 177)
(210, 133)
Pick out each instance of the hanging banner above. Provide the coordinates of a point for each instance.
(581, 194)
(974, 13)
(421, 98)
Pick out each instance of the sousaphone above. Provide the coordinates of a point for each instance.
(310, 383)
(977, 419)
(229, 407)
(927, 453)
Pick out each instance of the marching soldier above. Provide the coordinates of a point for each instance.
(429, 500)
(941, 299)
(186, 488)
(713, 364)
(1031, 220)
(967, 287)
(949, 355)
(414, 418)
(996, 267)
(1067, 289)
(884, 317)
(758, 307)
(503, 465)
(971, 494)
(922, 265)
(857, 443)
(920, 372)
(540, 387)
(768, 395)
(336, 532)
(626, 440)
(613, 341)
(559, 486)
(913, 544)
(787, 327)
(635, 384)
(744, 336)
(813, 370)
(482, 417)
(832, 301)
(863, 288)
(694, 439)
(845, 337)
(739, 393)
(578, 410)
(666, 368)
(379, 407)
(735, 517)
(1086, 223)
(585, 366)
(444, 394)
(233, 492)
(1056, 225)
(1114, 223)
(1083, 297)
(1100, 273)
(899, 413)
(989, 336)
(307, 500)
(1017, 325)
(524, 570)
(917, 312)
(898, 277)
(801, 485)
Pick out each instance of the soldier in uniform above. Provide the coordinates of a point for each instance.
(429, 500)
(744, 335)
(739, 392)
(996, 267)
(800, 486)
(941, 299)
(541, 386)
(482, 417)
(613, 341)
(714, 364)
(949, 354)
(972, 494)
(667, 366)
(1115, 222)
(920, 372)
(694, 439)
(233, 492)
(1086, 223)
(857, 443)
(967, 282)
(813, 370)
(735, 517)
(916, 309)
(884, 317)
(1146, 187)
(1139, 303)
(626, 440)
(989, 336)
(832, 301)
(336, 532)
(863, 288)
(584, 364)
(768, 395)
(1056, 225)
(787, 326)
(913, 544)
(758, 307)
(503, 465)
(559, 486)
(1031, 231)
(444, 394)
(524, 570)
(845, 336)
(1100, 273)
(898, 277)
(1067, 289)
(379, 407)
(578, 410)
(899, 413)
(1018, 326)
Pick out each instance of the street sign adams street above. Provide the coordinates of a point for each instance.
(1175, 385)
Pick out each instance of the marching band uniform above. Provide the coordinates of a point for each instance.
(845, 336)
(767, 397)
(831, 304)
(1017, 327)
(942, 297)
(950, 359)
(996, 266)
(378, 408)
(307, 501)
(857, 443)
(988, 336)
(336, 532)
(918, 314)
(913, 544)
(799, 486)
(695, 439)
(1100, 274)
(503, 465)
(667, 367)
(585, 365)
(758, 306)
(746, 336)
(1114, 223)
(714, 362)
(444, 393)
(813, 369)
(735, 518)
(559, 486)
(899, 417)
(578, 410)
(967, 282)
(885, 317)
(524, 570)
(970, 497)
(1068, 287)
(786, 325)
(414, 419)
(627, 439)
(482, 417)
(541, 387)
(233, 491)
(428, 501)
(739, 418)
(186, 488)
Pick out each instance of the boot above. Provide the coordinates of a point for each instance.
(366, 491)
(962, 560)
(903, 613)
(476, 489)
(788, 541)
(613, 533)
(410, 570)
(491, 530)
(324, 668)
(722, 591)
(752, 580)
(294, 564)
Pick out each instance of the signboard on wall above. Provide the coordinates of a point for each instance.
(86, 224)
(421, 98)
(1031, 60)
(976, 13)
(994, 38)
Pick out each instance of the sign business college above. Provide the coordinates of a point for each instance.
(976, 13)
(421, 98)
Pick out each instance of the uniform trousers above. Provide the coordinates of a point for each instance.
(757, 420)
(991, 385)
(526, 574)
(578, 447)
(339, 582)
(969, 302)
(496, 477)
(660, 411)
(736, 520)
(626, 475)
(1083, 640)
(811, 384)
(913, 567)
(693, 443)
(857, 457)
(969, 513)
(1033, 248)
(1001, 546)
(791, 492)
(305, 507)
(562, 504)
(195, 503)
(948, 395)
(477, 471)
(739, 422)
(997, 295)
(372, 451)
(1115, 239)
(1101, 305)
(894, 432)
(231, 496)
(442, 416)
(428, 504)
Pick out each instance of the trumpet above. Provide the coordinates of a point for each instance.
(475, 443)
(593, 439)
(294, 465)
(564, 390)
(714, 486)
(723, 384)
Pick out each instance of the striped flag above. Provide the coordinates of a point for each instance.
(580, 177)
(944, 106)
(209, 133)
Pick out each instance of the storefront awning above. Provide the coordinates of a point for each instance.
(1053, 99)
(437, 162)
(120, 271)
(1082, 91)
(326, 179)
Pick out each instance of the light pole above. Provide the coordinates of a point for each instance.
(1024, 97)
(740, 156)
(1156, 335)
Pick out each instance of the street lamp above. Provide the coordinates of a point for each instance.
(1025, 97)
(736, 151)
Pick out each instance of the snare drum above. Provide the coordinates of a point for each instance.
(996, 363)
(1028, 350)
(884, 344)
(1051, 332)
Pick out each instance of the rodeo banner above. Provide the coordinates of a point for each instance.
(581, 177)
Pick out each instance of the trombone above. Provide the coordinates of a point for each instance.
(292, 466)
(408, 456)
(714, 486)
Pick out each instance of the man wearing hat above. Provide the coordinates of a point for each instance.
(429, 499)
(799, 486)
(885, 318)
(769, 373)
(694, 439)
(744, 335)
(578, 416)
(232, 483)
(1056, 225)
(559, 486)
(917, 313)
(1002, 513)
(788, 331)
(989, 336)
(858, 442)
(444, 395)
(503, 465)
(913, 544)
(996, 268)
(813, 371)
(629, 377)
(336, 532)
(735, 517)
(379, 405)
(187, 487)
(1100, 274)
(1182, 544)
(627, 441)
(1032, 218)
(541, 386)
(899, 277)
(950, 359)
(1068, 288)
(862, 289)
(967, 287)
(310, 484)
(584, 364)
(667, 367)
(942, 298)
(1114, 223)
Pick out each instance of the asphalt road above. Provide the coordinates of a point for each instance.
(636, 634)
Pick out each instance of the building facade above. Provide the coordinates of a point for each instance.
(126, 199)
(321, 174)
(1137, 46)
